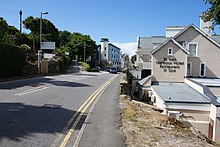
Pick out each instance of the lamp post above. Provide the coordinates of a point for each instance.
(40, 51)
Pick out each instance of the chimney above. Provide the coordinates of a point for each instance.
(206, 27)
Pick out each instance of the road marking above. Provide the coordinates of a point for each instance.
(31, 90)
(82, 110)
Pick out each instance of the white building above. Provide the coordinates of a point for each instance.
(109, 53)
(185, 77)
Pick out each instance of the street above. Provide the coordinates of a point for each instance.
(51, 110)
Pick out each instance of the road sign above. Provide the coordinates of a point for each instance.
(48, 56)
(67, 53)
(48, 45)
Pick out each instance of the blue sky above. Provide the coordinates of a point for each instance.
(119, 20)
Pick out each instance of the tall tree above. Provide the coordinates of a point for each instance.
(32, 24)
(3, 30)
(79, 42)
(213, 13)
(49, 31)
(64, 38)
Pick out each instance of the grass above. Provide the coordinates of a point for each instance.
(129, 114)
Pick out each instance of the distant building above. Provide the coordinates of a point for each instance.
(124, 61)
(109, 53)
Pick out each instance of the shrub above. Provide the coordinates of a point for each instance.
(12, 60)
(85, 66)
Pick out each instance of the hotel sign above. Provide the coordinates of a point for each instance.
(170, 64)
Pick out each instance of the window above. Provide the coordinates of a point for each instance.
(105, 48)
(182, 43)
(105, 55)
(193, 49)
(170, 51)
(189, 69)
(202, 70)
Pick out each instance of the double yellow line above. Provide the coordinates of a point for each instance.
(82, 110)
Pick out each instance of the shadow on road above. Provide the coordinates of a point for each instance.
(19, 121)
(39, 82)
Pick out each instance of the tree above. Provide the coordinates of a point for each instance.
(77, 43)
(32, 24)
(213, 13)
(133, 58)
(49, 31)
(64, 38)
(3, 30)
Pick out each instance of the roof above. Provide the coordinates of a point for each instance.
(144, 80)
(179, 93)
(114, 46)
(216, 38)
(200, 31)
(166, 42)
(207, 81)
(136, 74)
(147, 42)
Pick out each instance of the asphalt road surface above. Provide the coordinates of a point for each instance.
(66, 110)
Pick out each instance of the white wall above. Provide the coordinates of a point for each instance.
(103, 51)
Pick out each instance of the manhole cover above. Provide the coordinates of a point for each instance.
(51, 106)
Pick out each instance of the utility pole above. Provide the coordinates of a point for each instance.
(20, 13)
(84, 51)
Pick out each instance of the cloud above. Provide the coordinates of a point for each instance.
(128, 48)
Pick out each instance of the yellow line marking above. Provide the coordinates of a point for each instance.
(77, 112)
(90, 99)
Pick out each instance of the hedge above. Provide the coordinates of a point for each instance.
(12, 60)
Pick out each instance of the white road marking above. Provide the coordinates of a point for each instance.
(31, 90)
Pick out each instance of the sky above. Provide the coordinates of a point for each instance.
(122, 21)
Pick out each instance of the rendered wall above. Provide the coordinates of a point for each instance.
(207, 52)
(161, 70)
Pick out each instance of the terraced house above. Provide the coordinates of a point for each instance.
(184, 80)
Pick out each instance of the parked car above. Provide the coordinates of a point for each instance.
(113, 70)
(96, 69)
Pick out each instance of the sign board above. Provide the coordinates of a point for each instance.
(48, 56)
(48, 45)
(67, 53)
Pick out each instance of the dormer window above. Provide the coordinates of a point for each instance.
(192, 47)
(170, 51)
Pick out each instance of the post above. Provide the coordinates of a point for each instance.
(20, 13)
(40, 51)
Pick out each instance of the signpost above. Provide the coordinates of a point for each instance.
(48, 45)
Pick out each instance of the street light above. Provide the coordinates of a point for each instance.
(40, 51)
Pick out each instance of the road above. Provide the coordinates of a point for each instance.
(78, 109)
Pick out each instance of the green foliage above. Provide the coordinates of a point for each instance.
(213, 13)
(49, 31)
(3, 29)
(64, 38)
(85, 66)
(12, 60)
(133, 58)
(77, 44)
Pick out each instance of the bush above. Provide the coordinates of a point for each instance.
(85, 66)
(12, 60)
